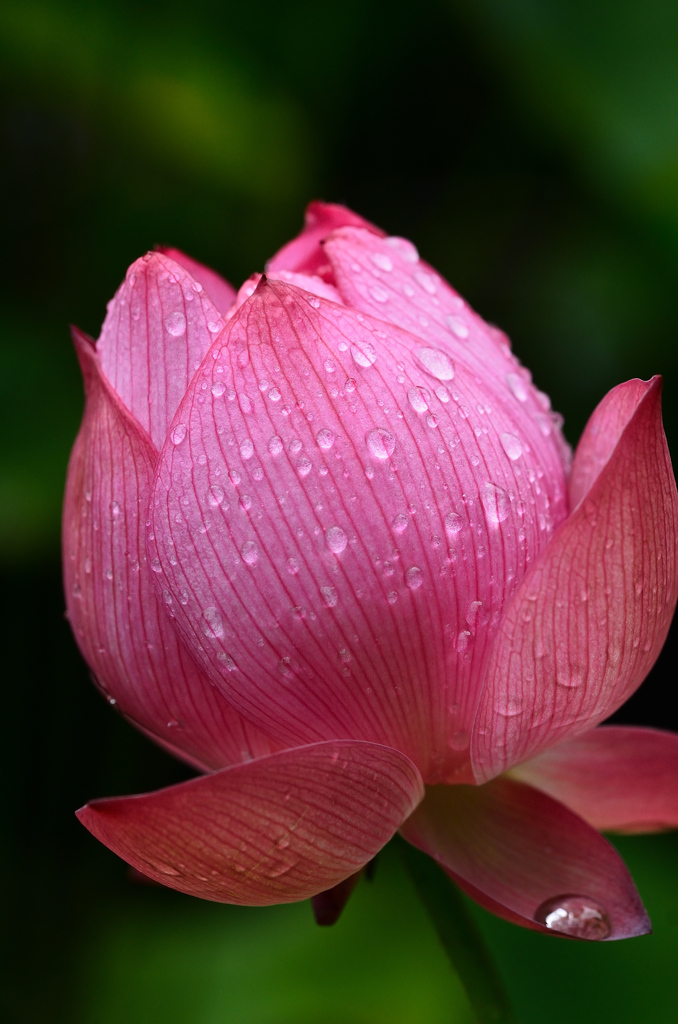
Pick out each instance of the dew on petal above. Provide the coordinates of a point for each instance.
(364, 353)
(246, 448)
(304, 466)
(218, 389)
(379, 294)
(577, 916)
(227, 661)
(404, 248)
(517, 386)
(250, 552)
(418, 399)
(275, 445)
(325, 438)
(453, 523)
(427, 281)
(292, 566)
(175, 324)
(382, 261)
(215, 496)
(211, 624)
(496, 502)
(512, 446)
(457, 326)
(329, 596)
(179, 433)
(274, 395)
(336, 539)
(435, 362)
(288, 667)
(381, 442)
(414, 577)
(399, 523)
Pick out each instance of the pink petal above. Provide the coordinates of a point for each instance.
(522, 855)
(364, 542)
(276, 830)
(124, 634)
(158, 328)
(385, 277)
(312, 284)
(617, 778)
(304, 253)
(220, 291)
(588, 621)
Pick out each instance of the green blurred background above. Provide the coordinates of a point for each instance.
(530, 149)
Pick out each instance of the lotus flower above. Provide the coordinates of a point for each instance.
(322, 541)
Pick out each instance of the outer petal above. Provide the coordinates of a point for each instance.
(276, 830)
(617, 778)
(588, 621)
(344, 550)
(385, 277)
(304, 253)
(158, 328)
(515, 851)
(124, 634)
(220, 291)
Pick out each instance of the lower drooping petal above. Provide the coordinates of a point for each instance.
(618, 778)
(588, 621)
(275, 830)
(345, 531)
(126, 636)
(528, 859)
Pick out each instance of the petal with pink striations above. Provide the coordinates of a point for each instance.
(369, 532)
(618, 778)
(126, 636)
(275, 830)
(219, 290)
(304, 253)
(385, 277)
(529, 859)
(159, 326)
(588, 621)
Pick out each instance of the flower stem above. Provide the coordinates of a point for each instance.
(460, 937)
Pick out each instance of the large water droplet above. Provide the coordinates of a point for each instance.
(435, 362)
(399, 522)
(336, 539)
(418, 399)
(330, 596)
(577, 916)
(453, 523)
(250, 552)
(215, 495)
(175, 324)
(304, 466)
(246, 448)
(179, 433)
(218, 389)
(211, 624)
(381, 443)
(414, 577)
(382, 261)
(496, 502)
(227, 661)
(404, 248)
(275, 445)
(517, 386)
(325, 438)
(512, 446)
(457, 326)
(364, 353)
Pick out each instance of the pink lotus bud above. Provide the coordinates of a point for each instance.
(324, 543)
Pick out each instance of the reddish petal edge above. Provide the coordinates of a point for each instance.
(275, 830)
(513, 849)
(616, 777)
(587, 622)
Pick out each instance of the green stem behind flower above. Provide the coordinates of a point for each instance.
(460, 937)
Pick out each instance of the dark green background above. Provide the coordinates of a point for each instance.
(530, 149)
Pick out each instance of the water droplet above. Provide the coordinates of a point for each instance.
(453, 523)
(364, 353)
(325, 439)
(435, 362)
(287, 667)
(275, 445)
(246, 448)
(245, 404)
(517, 386)
(431, 421)
(304, 466)
(457, 326)
(213, 326)
(442, 394)
(382, 261)
(414, 577)
(227, 661)
(175, 324)
(234, 477)
(274, 395)
(381, 443)
(427, 281)
(379, 294)
(418, 399)
(509, 708)
(179, 433)
(462, 641)
(496, 502)
(292, 566)
(336, 539)
(512, 446)
(330, 596)
(295, 446)
(399, 522)
(392, 596)
(344, 655)
(577, 916)
(218, 389)
(215, 495)
(459, 740)
(349, 384)
(211, 624)
(246, 502)
(114, 509)
(404, 247)
(250, 552)
(88, 565)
